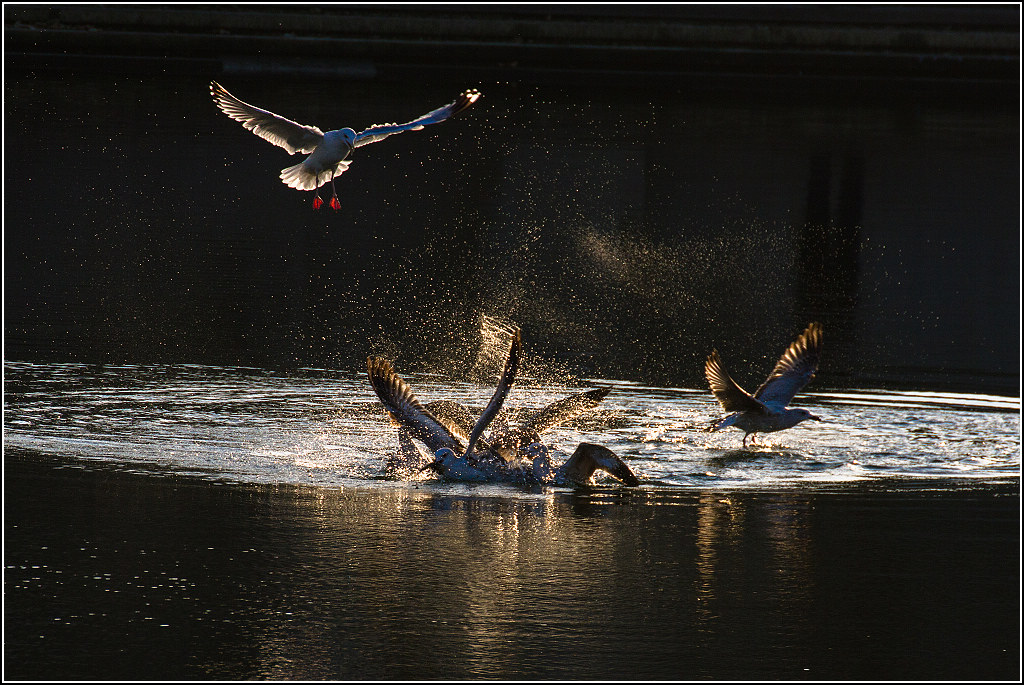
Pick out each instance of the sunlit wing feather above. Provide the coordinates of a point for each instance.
(379, 132)
(276, 129)
(728, 393)
(400, 401)
(456, 418)
(565, 409)
(411, 454)
(794, 369)
(500, 423)
(508, 377)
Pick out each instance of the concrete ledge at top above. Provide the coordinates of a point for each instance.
(875, 52)
(299, 66)
(991, 29)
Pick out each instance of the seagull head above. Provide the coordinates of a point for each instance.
(802, 415)
(443, 457)
(348, 135)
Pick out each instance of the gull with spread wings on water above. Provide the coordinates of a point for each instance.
(328, 152)
(766, 410)
(458, 457)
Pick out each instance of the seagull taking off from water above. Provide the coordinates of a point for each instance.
(765, 411)
(458, 457)
(328, 152)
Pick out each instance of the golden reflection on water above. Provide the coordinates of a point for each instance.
(716, 527)
(461, 582)
(488, 581)
(458, 567)
(768, 535)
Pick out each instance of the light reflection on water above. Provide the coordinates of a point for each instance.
(317, 427)
(136, 576)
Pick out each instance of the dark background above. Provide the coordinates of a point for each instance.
(636, 186)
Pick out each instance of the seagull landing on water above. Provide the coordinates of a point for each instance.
(327, 152)
(765, 411)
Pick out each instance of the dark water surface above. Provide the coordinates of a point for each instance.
(114, 575)
(226, 523)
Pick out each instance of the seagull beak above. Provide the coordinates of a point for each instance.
(433, 466)
(816, 418)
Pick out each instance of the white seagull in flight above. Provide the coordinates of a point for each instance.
(328, 152)
(765, 411)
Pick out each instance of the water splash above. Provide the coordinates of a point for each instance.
(327, 428)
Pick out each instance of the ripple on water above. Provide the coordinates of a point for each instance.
(328, 428)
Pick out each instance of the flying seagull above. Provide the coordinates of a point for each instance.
(328, 152)
(765, 411)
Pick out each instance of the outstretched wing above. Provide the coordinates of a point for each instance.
(457, 419)
(453, 416)
(282, 132)
(508, 377)
(588, 458)
(400, 401)
(794, 369)
(565, 409)
(381, 131)
(728, 393)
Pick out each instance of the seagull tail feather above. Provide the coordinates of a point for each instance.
(719, 424)
(301, 177)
